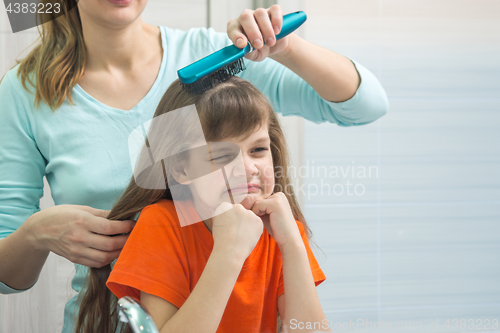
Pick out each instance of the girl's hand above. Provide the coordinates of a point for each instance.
(257, 26)
(278, 218)
(237, 230)
(81, 234)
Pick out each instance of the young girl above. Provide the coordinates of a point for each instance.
(230, 273)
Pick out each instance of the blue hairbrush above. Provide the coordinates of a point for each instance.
(228, 61)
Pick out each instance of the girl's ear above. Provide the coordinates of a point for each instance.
(180, 175)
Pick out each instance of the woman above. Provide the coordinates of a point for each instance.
(103, 71)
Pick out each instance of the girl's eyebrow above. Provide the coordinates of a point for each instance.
(261, 140)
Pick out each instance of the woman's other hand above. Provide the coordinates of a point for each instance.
(278, 218)
(81, 234)
(257, 26)
(236, 230)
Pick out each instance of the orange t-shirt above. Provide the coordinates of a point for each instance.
(166, 260)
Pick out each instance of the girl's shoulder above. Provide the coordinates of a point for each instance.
(164, 206)
(159, 223)
(163, 210)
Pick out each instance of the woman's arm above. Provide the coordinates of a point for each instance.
(299, 305)
(79, 233)
(203, 309)
(331, 75)
(301, 78)
(20, 262)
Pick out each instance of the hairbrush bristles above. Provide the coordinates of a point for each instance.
(216, 77)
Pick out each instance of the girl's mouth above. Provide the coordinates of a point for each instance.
(248, 189)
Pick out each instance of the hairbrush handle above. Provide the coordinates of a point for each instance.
(291, 22)
(231, 53)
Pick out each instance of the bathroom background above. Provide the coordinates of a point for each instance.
(406, 210)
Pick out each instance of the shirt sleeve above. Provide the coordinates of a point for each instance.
(21, 163)
(152, 260)
(291, 95)
(317, 272)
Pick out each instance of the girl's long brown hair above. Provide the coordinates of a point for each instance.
(56, 64)
(231, 109)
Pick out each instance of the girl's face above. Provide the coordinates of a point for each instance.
(111, 13)
(241, 169)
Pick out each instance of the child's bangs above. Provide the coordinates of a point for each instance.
(228, 111)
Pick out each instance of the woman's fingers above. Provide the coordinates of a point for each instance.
(262, 17)
(257, 27)
(250, 28)
(97, 259)
(260, 28)
(270, 22)
(85, 245)
(106, 243)
(91, 210)
(276, 16)
(236, 34)
(100, 250)
(104, 226)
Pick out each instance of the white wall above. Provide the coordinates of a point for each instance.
(423, 242)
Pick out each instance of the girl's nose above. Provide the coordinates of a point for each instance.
(248, 168)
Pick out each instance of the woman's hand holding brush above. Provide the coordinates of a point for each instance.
(259, 27)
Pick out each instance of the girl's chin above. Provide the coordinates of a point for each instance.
(250, 200)
(247, 200)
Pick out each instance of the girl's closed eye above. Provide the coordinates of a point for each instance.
(223, 159)
(219, 158)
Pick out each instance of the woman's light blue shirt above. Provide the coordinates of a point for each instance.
(83, 149)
